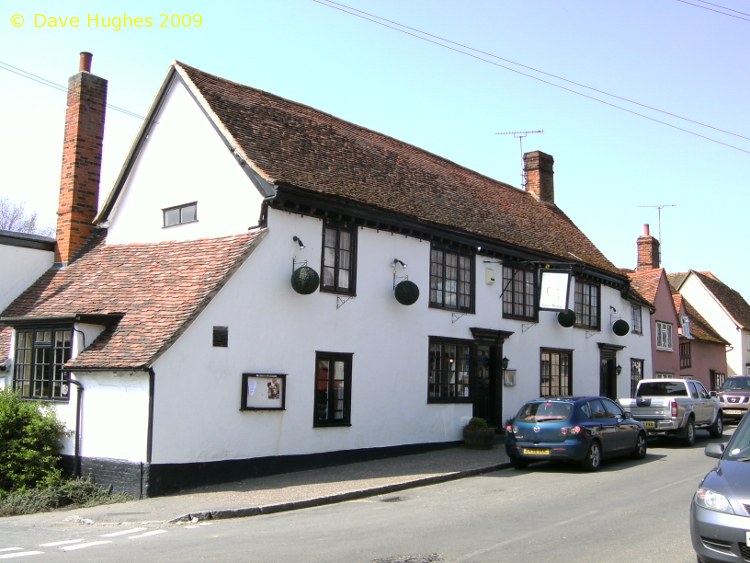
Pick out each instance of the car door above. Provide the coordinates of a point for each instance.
(627, 430)
(704, 410)
(604, 426)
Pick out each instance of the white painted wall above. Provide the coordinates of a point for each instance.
(711, 310)
(274, 329)
(19, 268)
(183, 160)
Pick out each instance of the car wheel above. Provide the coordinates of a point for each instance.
(518, 463)
(640, 446)
(717, 428)
(688, 433)
(593, 458)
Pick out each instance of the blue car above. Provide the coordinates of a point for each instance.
(585, 430)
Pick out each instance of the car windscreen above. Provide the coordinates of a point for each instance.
(736, 383)
(547, 411)
(738, 448)
(661, 389)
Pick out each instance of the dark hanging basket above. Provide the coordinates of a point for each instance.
(566, 318)
(406, 292)
(305, 280)
(621, 328)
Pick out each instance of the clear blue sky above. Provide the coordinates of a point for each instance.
(448, 78)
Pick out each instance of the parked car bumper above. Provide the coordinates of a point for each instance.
(561, 451)
(732, 411)
(717, 536)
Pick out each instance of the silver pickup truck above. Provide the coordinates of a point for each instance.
(675, 407)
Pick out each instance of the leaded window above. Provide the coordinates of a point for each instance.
(587, 305)
(636, 318)
(663, 336)
(556, 373)
(519, 291)
(449, 369)
(451, 280)
(339, 259)
(333, 389)
(41, 354)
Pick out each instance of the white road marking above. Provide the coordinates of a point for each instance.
(147, 534)
(84, 545)
(11, 549)
(123, 533)
(20, 554)
(59, 543)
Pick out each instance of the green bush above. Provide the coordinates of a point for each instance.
(476, 423)
(30, 435)
(74, 492)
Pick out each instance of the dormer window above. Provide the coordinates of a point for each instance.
(180, 214)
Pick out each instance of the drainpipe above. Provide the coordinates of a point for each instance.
(77, 447)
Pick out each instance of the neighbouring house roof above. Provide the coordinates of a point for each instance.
(732, 301)
(295, 147)
(646, 283)
(149, 292)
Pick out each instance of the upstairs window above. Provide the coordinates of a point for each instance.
(587, 305)
(663, 336)
(685, 355)
(339, 259)
(519, 289)
(636, 318)
(40, 356)
(181, 214)
(451, 282)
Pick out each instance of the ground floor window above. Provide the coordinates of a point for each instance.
(40, 356)
(636, 374)
(333, 389)
(556, 373)
(449, 369)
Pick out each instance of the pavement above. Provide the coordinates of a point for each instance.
(287, 491)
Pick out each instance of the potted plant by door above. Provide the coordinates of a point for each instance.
(478, 434)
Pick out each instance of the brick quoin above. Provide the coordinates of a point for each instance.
(82, 161)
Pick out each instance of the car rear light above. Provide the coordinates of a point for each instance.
(673, 407)
(509, 428)
(571, 430)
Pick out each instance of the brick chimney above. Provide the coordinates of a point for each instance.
(537, 167)
(81, 162)
(648, 251)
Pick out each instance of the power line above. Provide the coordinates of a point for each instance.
(739, 17)
(441, 42)
(44, 82)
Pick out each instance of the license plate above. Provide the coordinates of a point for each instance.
(535, 451)
(649, 424)
(747, 539)
(732, 411)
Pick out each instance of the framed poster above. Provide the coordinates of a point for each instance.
(263, 391)
(554, 288)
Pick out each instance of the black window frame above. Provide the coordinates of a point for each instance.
(686, 360)
(520, 298)
(334, 257)
(449, 359)
(331, 407)
(636, 317)
(182, 212)
(442, 280)
(636, 373)
(38, 362)
(553, 382)
(588, 306)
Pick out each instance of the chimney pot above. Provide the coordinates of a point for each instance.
(85, 62)
(646, 231)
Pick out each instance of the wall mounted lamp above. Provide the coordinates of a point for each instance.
(298, 240)
(618, 370)
(505, 361)
(397, 261)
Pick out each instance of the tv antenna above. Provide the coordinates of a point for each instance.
(658, 208)
(520, 136)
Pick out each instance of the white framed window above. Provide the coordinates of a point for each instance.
(663, 336)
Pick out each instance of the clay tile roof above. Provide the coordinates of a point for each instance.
(155, 290)
(732, 301)
(293, 144)
(646, 283)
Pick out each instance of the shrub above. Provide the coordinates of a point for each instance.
(77, 492)
(30, 435)
(476, 423)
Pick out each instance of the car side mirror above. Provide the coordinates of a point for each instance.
(712, 393)
(715, 450)
(626, 415)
